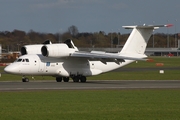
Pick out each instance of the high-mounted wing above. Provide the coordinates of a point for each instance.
(133, 49)
(104, 55)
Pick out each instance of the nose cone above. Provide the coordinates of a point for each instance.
(11, 69)
(8, 69)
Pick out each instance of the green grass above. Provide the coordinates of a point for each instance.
(136, 104)
(139, 75)
(10, 77)
(169, 62)
(159, 104)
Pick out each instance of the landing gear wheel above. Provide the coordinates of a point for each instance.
(58, 79)
(66, 79)
(24, 79)
(75, 79)
(83, 79)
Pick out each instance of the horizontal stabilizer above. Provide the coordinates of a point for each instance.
(147, 26)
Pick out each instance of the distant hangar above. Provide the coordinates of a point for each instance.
(149, 51)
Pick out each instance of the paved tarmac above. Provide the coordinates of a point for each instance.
(90, 85)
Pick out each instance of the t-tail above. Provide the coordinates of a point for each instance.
(138, 39)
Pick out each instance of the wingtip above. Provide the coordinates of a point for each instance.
(168, 25)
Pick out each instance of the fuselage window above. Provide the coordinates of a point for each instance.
(23, 60)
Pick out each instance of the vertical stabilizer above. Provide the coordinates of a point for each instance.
(138, 39)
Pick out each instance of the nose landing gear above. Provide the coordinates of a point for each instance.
(25, 79)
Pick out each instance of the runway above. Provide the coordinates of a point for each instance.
(90, 85)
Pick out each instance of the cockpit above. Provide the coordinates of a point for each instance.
(22, 60)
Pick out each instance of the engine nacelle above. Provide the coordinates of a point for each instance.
(31, 49)
(56, 50)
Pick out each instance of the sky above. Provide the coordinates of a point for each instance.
(56, 16)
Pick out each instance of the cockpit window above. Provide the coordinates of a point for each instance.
(22, 60)
(19, 60)
(27, 60)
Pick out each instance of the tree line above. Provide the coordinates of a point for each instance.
(13, 41)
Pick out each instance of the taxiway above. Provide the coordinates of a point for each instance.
(99, 84)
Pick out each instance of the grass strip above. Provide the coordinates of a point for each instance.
(136, 104)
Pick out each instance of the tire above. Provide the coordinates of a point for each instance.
(58, 79)
(25, 80)
(83, 79)
(66, 79)
(75, 79)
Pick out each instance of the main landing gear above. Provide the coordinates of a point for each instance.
(65, 79)
(79, 78)
(75, 79)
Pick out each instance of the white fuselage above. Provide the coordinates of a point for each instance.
(64, 60)
(65, 67)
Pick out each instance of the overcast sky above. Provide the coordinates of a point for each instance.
(52, 16)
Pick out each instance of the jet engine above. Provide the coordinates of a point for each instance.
(56, 50)
(31, 49)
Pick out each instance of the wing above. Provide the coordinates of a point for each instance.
(106, 57)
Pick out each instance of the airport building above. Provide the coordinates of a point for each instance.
(11, 56)
(149, 51)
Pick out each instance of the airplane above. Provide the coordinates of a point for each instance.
(64, 61)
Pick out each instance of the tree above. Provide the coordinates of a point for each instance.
(115, 41)
(73, 30)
